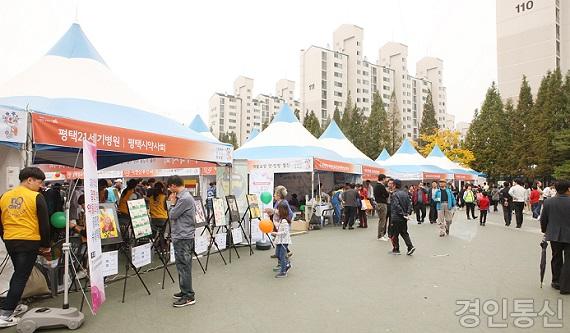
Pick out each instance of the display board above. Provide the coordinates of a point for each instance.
(139, 218)
(219, 213)
(109, 224)
(233, 208)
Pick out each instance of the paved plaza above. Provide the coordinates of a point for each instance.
(345, 281)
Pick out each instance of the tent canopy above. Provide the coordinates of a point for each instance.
(73, 84)
(408, 164)
(286, 138)
(437, 157)
(384, 155)
(333, 138)
(198, 125)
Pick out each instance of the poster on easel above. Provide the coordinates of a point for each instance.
(237, 236)
(256, 234)
(109, 224)
(201, 244)
(110, 263)
(253, 203)
(219, 214)
(233, 208)
(139, 218)
(200, 213)
(141, 255)
(221, 240)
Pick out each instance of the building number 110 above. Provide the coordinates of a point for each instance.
(524, 6)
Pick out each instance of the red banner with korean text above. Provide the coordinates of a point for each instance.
(334, 166)
(65, 132)
(371, 173)
(434, 176)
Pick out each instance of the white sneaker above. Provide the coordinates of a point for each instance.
(20, 310)
(384, 238)
(8, 321)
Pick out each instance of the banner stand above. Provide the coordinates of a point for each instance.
(210, 228)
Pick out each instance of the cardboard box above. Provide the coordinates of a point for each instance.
(299, 225)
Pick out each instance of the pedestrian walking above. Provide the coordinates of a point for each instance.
(362, 216)
(401, 210)
(555, 225)
(484, 204)
(350, 199)
(470, 199)
(432, 203)
(419, 201)
(534, 199)
(518, 193)
(495, 197)
(445, 204)
(506, 203)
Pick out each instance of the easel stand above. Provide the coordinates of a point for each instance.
(228, 229)
(241, 223)
(125, 249)
(162, 248)
(210, 228)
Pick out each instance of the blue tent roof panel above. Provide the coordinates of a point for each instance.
(74, 44)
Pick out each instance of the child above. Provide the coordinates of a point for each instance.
(282, 240)
(483, 208)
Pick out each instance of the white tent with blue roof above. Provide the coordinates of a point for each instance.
(334, 139)
(73, 84)
(198, 125)
(437, 158)
(384, 155)
(408, 164)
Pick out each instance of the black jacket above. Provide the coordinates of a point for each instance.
(554, 219)
(401, 205)
(380, 193)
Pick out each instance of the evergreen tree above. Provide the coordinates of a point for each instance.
(394, 126)
(264, 125)
(562, 151)
(336, 116)
(486, 135)
(325, 124)
(356, 129)
(519, 124)
(428, 125)
(311, 123)
(346, 115)
(230, 138)
(376, 128)
(297, 114)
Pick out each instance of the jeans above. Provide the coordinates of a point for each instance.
(508, 214)
(281, 250)
(183, 250)
(432, 212)
(337, 214)
(519, 207)
(483, 217)
(23, 264)
(382, 214)
(535, 207)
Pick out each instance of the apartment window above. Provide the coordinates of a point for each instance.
(311, 86)
(338, 84)
(222, 101)
(221, 121)
(338, 94)
(365, 73)
(336, 103)
(386, 96)
(324, 55)
(324, 94)
(337, 65)
(323, 114)
(233, 121)
(365, 82)
(358, 90)
(337, 74)
(358, 81)
(324, 65)
(359, 72)
(221, 108)
(323, 104)
(386, 79)
(324, 75)
(324, 84)
(386, 87)
(358, 62)
(357, 43)
(358, 100)
(232, 114)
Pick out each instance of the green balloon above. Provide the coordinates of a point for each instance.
(266, 197)
(57, 219)
(302, 208)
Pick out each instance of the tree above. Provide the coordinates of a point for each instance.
(394, 127)
(376, 128)
(229, 138)
(428, 125)
(297, 114)
(346, 115)
(325, 124)
(355, 131)
(336, 116)
(311, 123)
(449, 143)
(486, 134)
(519, 125)
(264, 125)
(562, 150)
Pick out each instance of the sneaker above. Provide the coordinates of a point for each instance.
(178, 295)
(20, 310)
(384, 238)
(183, 302)
(280, 275)
(447, 231)
(8, 321)
(288, 268)
(396, 253)
(273, 256)
(411, 251)
(289, 254)
(350, 228)
(277, 268)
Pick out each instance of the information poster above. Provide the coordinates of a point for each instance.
(220, 240)
(141, 255)
(256, 234)
(219, 213)
(253, 203)
(139, 218)
(237, 236)
(110, 263)
(201, 244)
(95, 256)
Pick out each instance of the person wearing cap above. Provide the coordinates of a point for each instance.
(445, 202)
(401, 209)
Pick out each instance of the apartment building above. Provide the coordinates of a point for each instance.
(241, 112)
(328, 75)
(533, 37)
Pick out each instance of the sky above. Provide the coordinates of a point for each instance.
(176, 53)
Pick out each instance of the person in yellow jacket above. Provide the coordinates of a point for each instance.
(25, 230)
(158, 208)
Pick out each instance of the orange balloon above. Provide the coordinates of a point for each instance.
(266, 226)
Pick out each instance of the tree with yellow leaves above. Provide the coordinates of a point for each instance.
(449, 143)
